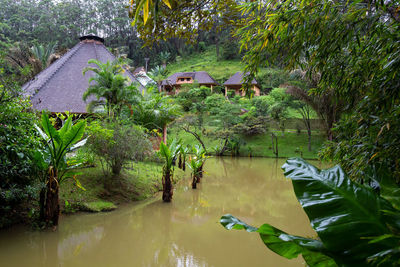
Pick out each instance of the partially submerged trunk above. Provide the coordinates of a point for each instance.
(200, 173)
(42, 200)
(167, 186)
(194, 181)
(52, 205)
(180, 162)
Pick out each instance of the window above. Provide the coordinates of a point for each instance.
(188, 79)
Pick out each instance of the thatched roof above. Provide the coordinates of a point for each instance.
(60, 87)
(202, 77)
(237, 79)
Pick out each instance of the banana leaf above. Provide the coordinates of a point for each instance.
(286, 245)
(355, 226)
(348, 217)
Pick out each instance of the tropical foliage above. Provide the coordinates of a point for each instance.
(155, 111)
(196, 164)
(110, 87)
(43, 53)
(53, 161)
(169, 155)
(367, 224)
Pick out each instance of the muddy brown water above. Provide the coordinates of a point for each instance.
(185, 232)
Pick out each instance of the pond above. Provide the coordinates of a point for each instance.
(185, 232)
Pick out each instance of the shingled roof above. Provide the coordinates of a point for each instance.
(237, 79)
(202, 77)
(60, 87)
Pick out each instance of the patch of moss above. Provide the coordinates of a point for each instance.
(97, 206)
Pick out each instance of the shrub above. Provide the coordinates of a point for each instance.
(18, 141)
(117, 143)
(251, 126)
(214, 102)
(189, 99)
(202, 46)
(261, 104)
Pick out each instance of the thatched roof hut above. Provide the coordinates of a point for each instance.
(236, 82)
(177, 79)
(60, 87)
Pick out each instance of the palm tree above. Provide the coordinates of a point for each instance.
(158, 74)
(43, 53)
(110, 87)
(21, 59)
(164, 56)
(156, 111)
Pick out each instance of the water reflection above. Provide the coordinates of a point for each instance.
(185, 232)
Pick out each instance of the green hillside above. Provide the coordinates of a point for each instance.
(221, 70)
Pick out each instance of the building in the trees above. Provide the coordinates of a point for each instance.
(173, 83)
(60, 87)
(236, 82)
(142, 77)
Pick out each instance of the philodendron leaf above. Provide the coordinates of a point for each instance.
(345, 215)
(286, 245)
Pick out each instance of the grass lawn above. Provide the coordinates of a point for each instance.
(139, 181)
(290, 144)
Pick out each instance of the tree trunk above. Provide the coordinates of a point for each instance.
(42, 199)
(116, 168)
(165, 134)
(201, 172)
(52, 206)
(180, 161)
(194, 182)
(217, 47)
(167, 187)
(195, 136)
(309, 139)
(274, 144)
(184, 163)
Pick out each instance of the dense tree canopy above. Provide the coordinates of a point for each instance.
(352, 47)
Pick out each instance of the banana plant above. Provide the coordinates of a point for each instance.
(200, 154)
(169, 154)
(182, 157)
(355, 225)
(53, 160)
(195, 164)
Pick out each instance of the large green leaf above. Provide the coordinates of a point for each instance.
(346, 215)
(49, 128)
(74, 134)
(70, 137)
(166, 153)
(286, 245)
(66, 127)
